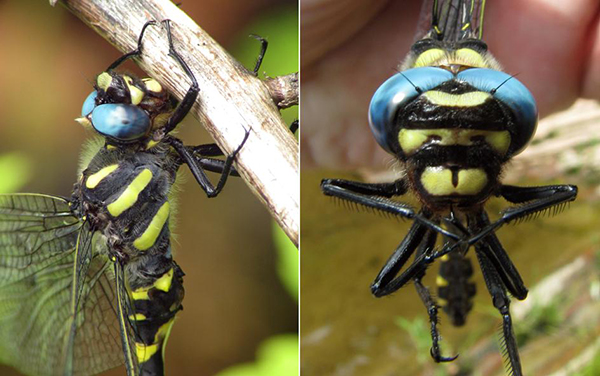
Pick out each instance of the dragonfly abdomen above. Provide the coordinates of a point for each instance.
(455, 287)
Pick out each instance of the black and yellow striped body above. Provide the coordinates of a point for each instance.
(123, 193)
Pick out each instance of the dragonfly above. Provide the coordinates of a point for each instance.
(453, 120)
(88, 282)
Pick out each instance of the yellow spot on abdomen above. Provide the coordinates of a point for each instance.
(438, 181)
(145, 352)
(440, 281)
(137, 317)
(147, 239)
(130, 195)
(163, 283)
(95, 179)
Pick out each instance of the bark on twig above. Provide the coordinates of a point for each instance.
(231, 99)
(284, 90)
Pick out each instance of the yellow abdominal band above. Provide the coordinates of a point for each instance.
(144, 352)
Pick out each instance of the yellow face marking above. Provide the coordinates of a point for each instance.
(412, 139)
(429, 57)
(104, 80)
(128, 198)
(440, 281)
(445, 257)
(152, 85)
(147, 239)
(84, 121)
(110, 147)
(438, 181)
(470, 99)
(471, 181)
(163, 284)
(95, 179)
(136, 94)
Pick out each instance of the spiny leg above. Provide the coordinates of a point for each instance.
(189, 99)
(535, 199)
(294, 126)
(134, 53)
(432, 308)
(502, 303)
(497, 255)
(196, 167)
(384, 282)
(263, 50)
(369, 195)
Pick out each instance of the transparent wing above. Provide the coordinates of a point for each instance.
(125, 312)
(58, 297)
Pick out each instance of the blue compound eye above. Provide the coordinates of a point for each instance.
(512, 93)
(120, 121)
(89, 103)
(397, 92)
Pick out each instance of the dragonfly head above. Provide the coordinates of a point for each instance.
(125, 109)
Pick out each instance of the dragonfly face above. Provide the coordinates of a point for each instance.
(453, 120)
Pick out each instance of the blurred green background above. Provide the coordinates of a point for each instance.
(235, 299)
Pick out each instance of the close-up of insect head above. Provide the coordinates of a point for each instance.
(499, 242)
(154, 236)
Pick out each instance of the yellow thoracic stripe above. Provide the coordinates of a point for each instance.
(163, 284)
(469, 99)
(95, 179)
(147, 239)
(412, 139)
(130, 195)
(438, 181)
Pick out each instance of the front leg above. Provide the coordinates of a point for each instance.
(370, 196)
